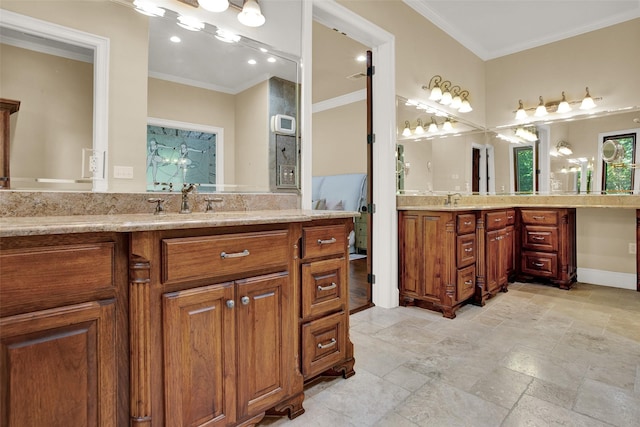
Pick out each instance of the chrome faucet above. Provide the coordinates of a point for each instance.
(186, 189)
(450, 196)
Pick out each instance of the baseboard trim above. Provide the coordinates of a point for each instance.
(612, 279)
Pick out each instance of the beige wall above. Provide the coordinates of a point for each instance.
(55, 120)
(174, 101)
(252, 138)
(127, 73)
(606, 60)
(340, 140)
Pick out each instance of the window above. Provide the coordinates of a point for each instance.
(616, 177)
(523, 169)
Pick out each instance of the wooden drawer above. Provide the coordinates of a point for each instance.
(323, 343)
(466, 223)
(56, 273)
(539, 217)
(540, 263)
(323, 240)
(466, 282)
(511, 216)
(190, 258)
(466, 250)
(323, 287)
(540, 238)
(495, 220)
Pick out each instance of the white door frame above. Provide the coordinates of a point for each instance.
(385, 221)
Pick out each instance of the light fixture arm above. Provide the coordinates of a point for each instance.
(435, 80)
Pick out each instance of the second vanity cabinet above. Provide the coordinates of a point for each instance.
(437, 259)
(497, 264)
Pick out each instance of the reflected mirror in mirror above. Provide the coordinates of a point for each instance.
(437, 152)
(228, 88)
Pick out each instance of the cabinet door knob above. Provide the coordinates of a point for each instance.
(230, 303)
(329, 344)
(245, 300)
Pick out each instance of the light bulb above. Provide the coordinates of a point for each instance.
(465, 107)
(447, 126)
(521, 114)
(407, 129)
(419, 129)
(251, 15)
(436, 93)
(456, 102)
(214, 5)
(541, 110)
(564, 106)
(587, 102)
(446, 98)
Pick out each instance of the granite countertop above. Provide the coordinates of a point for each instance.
(42, 225)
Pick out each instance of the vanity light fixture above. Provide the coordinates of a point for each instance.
(526, 134)
(446, 93)
(587, 102)
(419, 129)
(214, 5)
(251, 15)
(541, 110)
(465, 106)
(564, 106)
(407, 129)
(190, 23)
(148, 8)
(521, 113)
(456, 102)
(434, 87)
(564, 148)
(447, 126)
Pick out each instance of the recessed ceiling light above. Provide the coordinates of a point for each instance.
(271, 59)
(227, 36)
(361, 58)
(190, 23)
(252, 61)
(263, 50)
(175, 39)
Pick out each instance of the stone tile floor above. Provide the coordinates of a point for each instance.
(535, 356)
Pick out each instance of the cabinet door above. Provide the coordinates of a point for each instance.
(410, 255)
(509, 250)
(263, 345)
(58, 367)
(493, 260)
(199, 356)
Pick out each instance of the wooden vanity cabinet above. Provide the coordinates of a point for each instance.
(437, 259)
(63, 330)
(218, 309)
(497, 235)
(548, 245)
(324, 315)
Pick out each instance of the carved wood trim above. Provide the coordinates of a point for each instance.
(140, 337)
(7, 108)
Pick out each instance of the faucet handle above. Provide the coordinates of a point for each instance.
(210, 201)
(159, 210)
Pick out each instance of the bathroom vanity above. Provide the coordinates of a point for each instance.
(205, 319)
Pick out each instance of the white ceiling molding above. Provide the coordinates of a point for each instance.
(339, 101)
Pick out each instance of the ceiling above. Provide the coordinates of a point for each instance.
(494, 28)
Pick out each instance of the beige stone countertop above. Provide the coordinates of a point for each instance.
(31, 226)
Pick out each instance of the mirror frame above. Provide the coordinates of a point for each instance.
(100, 47)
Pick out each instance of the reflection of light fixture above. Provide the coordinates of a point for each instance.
(541, 110)
(521, 113)
(446, 93)
(227, 36)
(251, 15)
(148, 8)
(465, 107)
(433, 126)
(436, 92)
(587, 102)
(419, 129)
(563, 147)
(214, 5)
(190, 23)
(564, 106)
(447, 125)
(526, 134)
(407, 129)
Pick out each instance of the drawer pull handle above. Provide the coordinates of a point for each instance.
(497, 220)
(537, 237)
(327, 288)
(225, 255)
(468, 282)
(510, 217)
(327, 242)
(468, 250)
(245, 300)
(537, 264)
(538, 217)
(468, 223)
(330, 344)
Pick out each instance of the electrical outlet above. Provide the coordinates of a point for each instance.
(93, 163)
(632, 248)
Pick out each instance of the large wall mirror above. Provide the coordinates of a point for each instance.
(552, 157)
(203, 84)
